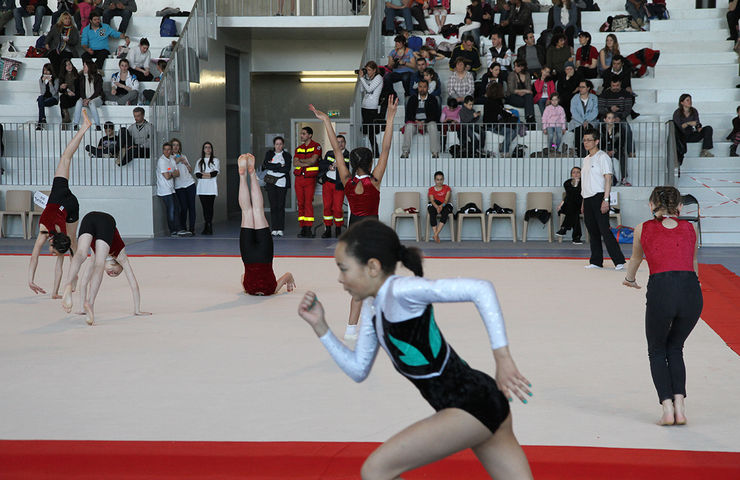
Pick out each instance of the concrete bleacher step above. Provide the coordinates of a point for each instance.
(29, 113)
(31, 67)
(139, 26)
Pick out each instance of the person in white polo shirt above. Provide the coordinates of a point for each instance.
(166, 173)
(596, 183)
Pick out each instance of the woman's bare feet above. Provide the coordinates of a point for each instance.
(242, 162)
(90, 314)
(668, 417)
(680, 409)
(67, 303)
(250, 164)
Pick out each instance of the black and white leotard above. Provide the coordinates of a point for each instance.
(401, 319)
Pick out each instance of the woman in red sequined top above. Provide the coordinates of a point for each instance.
(674, 298)
(361, 186)
(255, 240)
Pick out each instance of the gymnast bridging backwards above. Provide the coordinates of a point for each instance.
(398, 314)
(362, 185)
(59, 216)
(98, 232)
(255, 240)
(674, 298)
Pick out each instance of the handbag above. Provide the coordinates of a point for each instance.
(271, 179)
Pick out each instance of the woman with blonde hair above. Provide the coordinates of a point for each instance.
(610, 50)
(62, 41)
(674, 298)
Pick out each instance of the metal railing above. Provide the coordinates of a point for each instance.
(31, 156)
(248, 8)
(529, 160)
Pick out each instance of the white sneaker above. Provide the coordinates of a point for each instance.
(273, 233)
(621, 266)
(591, 265)
(279, 233)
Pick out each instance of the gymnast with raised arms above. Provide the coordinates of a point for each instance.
(398, 315)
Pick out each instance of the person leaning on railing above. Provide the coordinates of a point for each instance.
(371, 85)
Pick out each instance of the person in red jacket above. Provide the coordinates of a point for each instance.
(306, 169)
(332, 189)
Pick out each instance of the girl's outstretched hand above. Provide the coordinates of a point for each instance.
(510, 381)
(311, 310)
(392, 106)
(319, 114)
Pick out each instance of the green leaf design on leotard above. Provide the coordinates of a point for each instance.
(411, 355)
(435, 338)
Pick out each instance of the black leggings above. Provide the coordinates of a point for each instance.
(61, 195)
(256, 245)
(186, 199)
(101, 225)
(674, 303)
(443, 215)
(206, 201)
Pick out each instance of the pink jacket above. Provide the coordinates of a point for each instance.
(450, 114)
(538, 87)
(553, 117)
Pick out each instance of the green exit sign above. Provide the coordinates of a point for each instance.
(333, 113)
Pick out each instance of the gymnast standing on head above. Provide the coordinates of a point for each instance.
(255, 240)
(59, 216)
(98, 231)
(362, 185)
(674, 298)
(398, 314)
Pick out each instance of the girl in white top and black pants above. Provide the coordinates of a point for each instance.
(206, 169)
(185, 189)
(277, 165)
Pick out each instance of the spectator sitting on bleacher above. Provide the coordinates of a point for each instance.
(49, 89)
(421, 65)
(429, 54)
(124, 86)
(734, 135)
(82, 15)
(461, 83)
(435, 84)
(565, 17)
(532, 54)
(584, 111)
(469, 116)
(568, 86)
(161, 67)
(140, 135)
(440, 11)
(497, 119)
(637, 9)
(139, 58)
(622, 72)
(497, 51)
(558, 53)
(519, 89)
(95, 40)
(517, 22)
(610, 50)
(397, 7)
(478, 19)
(109, 145)
(614, 143)
(119, 8)
(493, 74)
(37, 8)
(553, 122)
(467, 51)
(68, 80)
(63, 6)
(6, 13)
(62, 41)
(733, 15)
(401, 62)
(587, 57)
(450, 118)
(417, 12)
(619, 101)
(544, 87)
(687, 122)
(422, 115)
(90, 91)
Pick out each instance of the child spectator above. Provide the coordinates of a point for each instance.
(571, 206)
(734, 135)
(109, 145)
(544, 88)
(439, 204)
(161, 67)
(450, 118)
(49, 89)
(468, 116)
(553, 122)
(435, 84)
(84, 7)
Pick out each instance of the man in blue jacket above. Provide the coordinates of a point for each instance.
(95, 40)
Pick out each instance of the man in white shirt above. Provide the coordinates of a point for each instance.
(166, 173)
(596, 184)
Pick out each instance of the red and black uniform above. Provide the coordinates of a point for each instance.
(102, 226)
(332, 190)
(61, 208)
(362, 205)
(257, 253)
(305, 182)
(674, 302)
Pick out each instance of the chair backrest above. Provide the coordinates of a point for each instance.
(689, 199)
(38, 209)
(18, 200)
(540, 200)
(464, 198)
(504, 200)
(406, 200)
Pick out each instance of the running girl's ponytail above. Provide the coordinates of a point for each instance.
(372, 239)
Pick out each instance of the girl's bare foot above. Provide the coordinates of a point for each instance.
(250, 163)
(67, 299)
(86, 123)
(668, 417)
(90, 314)
(436, 237)
(680, 409)
(242, 162)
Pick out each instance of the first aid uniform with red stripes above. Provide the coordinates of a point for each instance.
(305, 181)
